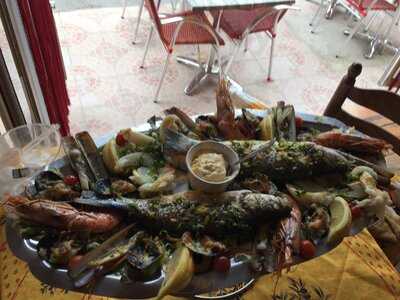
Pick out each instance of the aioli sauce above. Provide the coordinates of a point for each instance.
(210, 167)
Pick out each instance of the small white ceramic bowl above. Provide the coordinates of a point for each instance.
(230, 156)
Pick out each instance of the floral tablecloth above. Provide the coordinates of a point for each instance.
(357, 269)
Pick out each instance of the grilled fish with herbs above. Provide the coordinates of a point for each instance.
(230, 213)
(282, 162)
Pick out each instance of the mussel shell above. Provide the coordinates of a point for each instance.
(103, 187)
(204, 250)
(141, 269)
(47, 178)
(203, 246)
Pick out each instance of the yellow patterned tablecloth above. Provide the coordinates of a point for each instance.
(357, 269)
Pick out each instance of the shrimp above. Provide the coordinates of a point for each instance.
(60, 215)
(290, 234)
(226, 114)
(350, 142)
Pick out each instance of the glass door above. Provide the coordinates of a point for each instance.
(18, 104)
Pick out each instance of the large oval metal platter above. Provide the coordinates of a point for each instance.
(240, 274)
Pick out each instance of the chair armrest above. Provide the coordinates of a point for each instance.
(171, 20)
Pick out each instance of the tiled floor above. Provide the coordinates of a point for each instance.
(108, 90)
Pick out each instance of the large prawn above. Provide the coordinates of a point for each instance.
(288, 236)
(351, 142)
(225, 116)
(60, 215)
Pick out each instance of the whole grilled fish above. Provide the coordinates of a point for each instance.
(230, 213)
(282, 162)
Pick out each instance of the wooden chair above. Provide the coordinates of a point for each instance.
(385, 103)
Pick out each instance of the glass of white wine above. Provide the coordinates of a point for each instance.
(25, 151)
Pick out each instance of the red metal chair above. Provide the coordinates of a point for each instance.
(179, 28)
(360, 9)
(239, 23)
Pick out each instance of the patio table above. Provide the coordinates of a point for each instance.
(208, 68)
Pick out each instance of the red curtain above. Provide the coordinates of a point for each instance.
(41, 32)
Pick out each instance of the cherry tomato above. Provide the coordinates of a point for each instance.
(222, 264)
(71, 180)
(74, 261)
(307, 249)
(356, 212)
(299, 122)
(120, 139)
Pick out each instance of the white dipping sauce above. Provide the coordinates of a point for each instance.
(210, 167)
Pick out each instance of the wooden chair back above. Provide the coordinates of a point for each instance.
(385, 103)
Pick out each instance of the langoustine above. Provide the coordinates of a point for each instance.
(351, 142)
(60, 215)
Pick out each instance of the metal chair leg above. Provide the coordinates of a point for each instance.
(147, 47)
(394, 22)
(138, 21)
(348, 39)
(354, 30)
(173, 5)
(234, 54)
(318, 17)
(370, 21)
(271, 55)
(320, 7)
(162, 77)
(124, 8)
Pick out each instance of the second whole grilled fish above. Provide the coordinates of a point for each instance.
(230, 213)
(282, 162)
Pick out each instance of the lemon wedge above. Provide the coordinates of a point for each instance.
(110, 157)
(340, 220)
(178, 272)
(266, 128)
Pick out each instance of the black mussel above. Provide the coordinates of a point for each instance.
(57, 250)
(204, 250)
(47, 179)
(144, 261)
(103, 187)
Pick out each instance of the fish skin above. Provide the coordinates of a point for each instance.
(282, 162)
(296, 160)
(230, 213)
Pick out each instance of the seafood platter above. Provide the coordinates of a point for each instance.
(190, 206)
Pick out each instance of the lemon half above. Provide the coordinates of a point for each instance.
(178, 272)
(340, 220)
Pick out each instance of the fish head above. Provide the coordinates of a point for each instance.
(175, 147)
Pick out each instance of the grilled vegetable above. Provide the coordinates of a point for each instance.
(144, 261)
(117, 252)
(204, 250)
